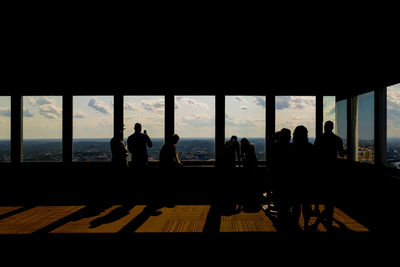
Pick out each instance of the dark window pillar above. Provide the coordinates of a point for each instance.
(270, 124)
(319, 115)
(169, 119)
(118, 113)
(16, 128)
(219, 127)
(380, 126)
(67, 123)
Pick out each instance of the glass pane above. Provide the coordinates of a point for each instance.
(5, 128)
(92, 128)
(366, 127)
(195, 125)
(42, 128)
(245, 118)
(329, 110)
(292, 111)
(341, 122)
(393, 126)
(149, 112)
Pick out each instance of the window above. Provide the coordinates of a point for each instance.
(341, 122)
(195, 125)
(292, 111)
(393, 126)
(365, 124)
(92, 128)
(329, 110)
(245, 118)
(42, 128)
(149, 112)
(5, 128)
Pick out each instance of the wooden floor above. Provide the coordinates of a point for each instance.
(133, 219)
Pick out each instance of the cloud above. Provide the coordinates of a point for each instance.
(198, 120)
(260, 101)
(230, 121)
(244, 107)
(131, 106)
(99, 106)
(282, 102)
(27, 113)
(6, 112)
(154, 105)
(80, 114)
(50, 111)
(192, 102)
(294, 102)
(40, 100)
(241, 99)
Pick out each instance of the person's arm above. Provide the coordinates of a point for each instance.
(176, 157)
(148, 141)
(342, 152)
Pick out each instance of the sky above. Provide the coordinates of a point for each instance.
(245, 116)
(393, 111)
(292, 111)
(194, 115)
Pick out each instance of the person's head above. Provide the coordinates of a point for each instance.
(300, 134)
(120, 133)
(138, 127)
(173, 139)
(234, 138)
(285, 135)
(244, 142)
(328, 127)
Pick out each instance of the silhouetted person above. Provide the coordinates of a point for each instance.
(301, 181)
(168, 155)
(279, 162)
(137, 146)
(248, 153)
(119, 150)
(231, 151)
(328, 146)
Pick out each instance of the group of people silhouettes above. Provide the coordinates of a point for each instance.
(137, 144)
(303, 174)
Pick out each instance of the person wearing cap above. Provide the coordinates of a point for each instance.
(119, 150)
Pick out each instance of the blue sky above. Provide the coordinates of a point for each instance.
(292, 111)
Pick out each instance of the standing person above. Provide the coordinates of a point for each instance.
(137, 146)
(248, 153)
(231, 151)
(168, 156)
(328, 146)
(300, 185)
(119, 150)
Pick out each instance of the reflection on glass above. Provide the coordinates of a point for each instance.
(365, 114)
(42, 128)
(195, 125)
(245, 118)
(393, 126)
(5, 128)
(341, 121)
(149, 112)
(292, 111)
(92, 128)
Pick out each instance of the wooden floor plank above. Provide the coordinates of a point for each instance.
(110, 220)
(247, 222)
(181, 218)
(4, 210)
(35, 218)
